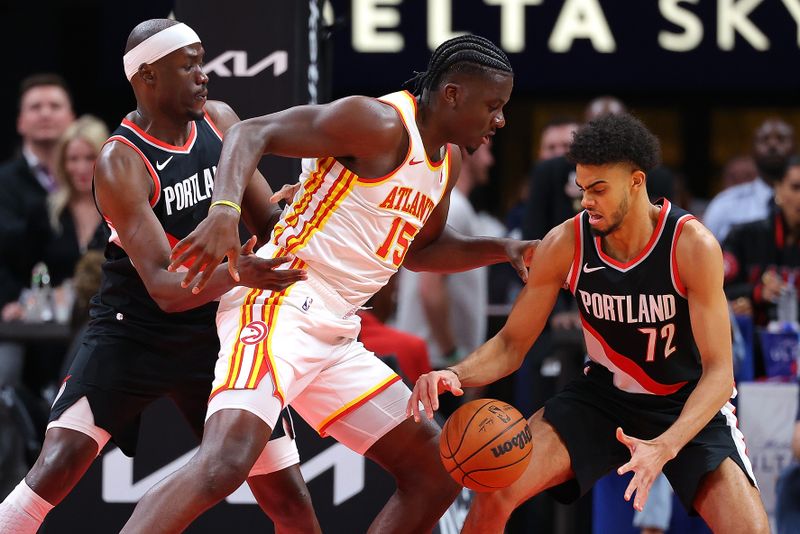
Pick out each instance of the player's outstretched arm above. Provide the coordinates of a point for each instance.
(440, 248)
(351, 128)
(123, 189)
(504, 353)
(699, 261)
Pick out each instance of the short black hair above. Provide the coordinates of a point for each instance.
(466, 53)
(620, 138)
(40, 80)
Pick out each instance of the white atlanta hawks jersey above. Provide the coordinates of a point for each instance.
(355, 231)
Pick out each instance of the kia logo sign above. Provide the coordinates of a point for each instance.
(221, 65)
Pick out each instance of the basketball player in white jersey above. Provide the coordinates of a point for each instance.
(375, 195)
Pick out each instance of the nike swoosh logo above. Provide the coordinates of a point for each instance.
(414, 162)
(160, 166)
(588, 269)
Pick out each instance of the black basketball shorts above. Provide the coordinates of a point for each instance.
(121, 376)
(588, 411)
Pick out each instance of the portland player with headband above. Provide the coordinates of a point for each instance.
(374, 195)
(648, 282)
(147, 337)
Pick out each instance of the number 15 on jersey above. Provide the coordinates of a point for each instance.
(398, 240)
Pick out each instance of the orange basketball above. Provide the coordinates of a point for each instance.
(485, 445)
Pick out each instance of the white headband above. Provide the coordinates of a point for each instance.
(157, 46)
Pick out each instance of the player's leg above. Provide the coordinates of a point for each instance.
(232, 441)
(284, 497)
(71, 444)
(725, 485)
(713, 475)
(278, 485)
(410, 453)
(549, 466)
(275, 479)
(361, 402)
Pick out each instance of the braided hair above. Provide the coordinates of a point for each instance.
(466, 53)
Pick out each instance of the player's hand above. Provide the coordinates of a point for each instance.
(520, 254)
(427, 390)
(263, 273)
(216, 237)
(286, 193)
(647, 460)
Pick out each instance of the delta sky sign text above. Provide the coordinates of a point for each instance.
(376, 24)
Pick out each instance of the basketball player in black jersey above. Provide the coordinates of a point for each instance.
(648, 281)
(148, 337)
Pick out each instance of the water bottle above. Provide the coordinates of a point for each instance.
(787, 305)
(40, 308)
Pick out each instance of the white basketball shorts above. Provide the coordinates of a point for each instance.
(299, 347)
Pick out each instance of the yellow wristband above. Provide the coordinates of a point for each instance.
(228, 203)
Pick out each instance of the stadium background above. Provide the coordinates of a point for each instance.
(701, 73)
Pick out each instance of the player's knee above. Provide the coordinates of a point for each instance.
(292, 509)
(220, 476)
(64, 456)
(423, 471)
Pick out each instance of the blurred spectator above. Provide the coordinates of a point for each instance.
(449, 311)
(75, 222)
(739, 170)
(759, 255)
(602, 106)
(45, 112)
(787, 491)
(386, 342)
(773, 144)
(557, 137)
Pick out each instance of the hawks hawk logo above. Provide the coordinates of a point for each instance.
(254, 332)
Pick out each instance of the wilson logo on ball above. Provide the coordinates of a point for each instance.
(518, 441)
(254, 332)
(486, 444)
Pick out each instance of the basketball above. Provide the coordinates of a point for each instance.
(485, 445)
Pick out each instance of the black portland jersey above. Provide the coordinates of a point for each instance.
(183, 180)
(635, 315)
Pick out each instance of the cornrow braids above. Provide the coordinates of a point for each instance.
(466, 53)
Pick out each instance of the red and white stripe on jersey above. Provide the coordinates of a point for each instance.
(150, 140)
(304, 198)
(626, 266)
(628, 376)
(213, 126)
(337, 191)
(153, 174)
(249, 363)
(577, 257)
(114, 237)
(729, 411)
(677, 283)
